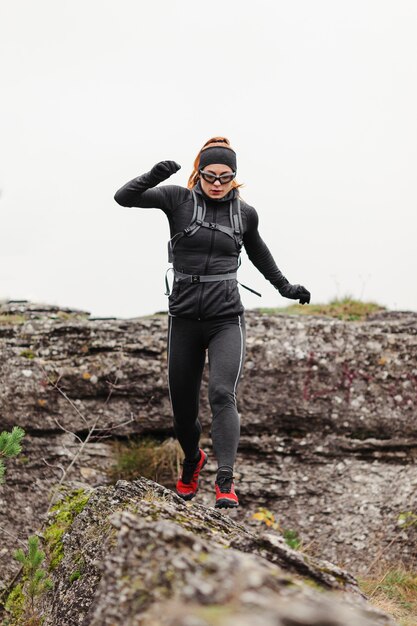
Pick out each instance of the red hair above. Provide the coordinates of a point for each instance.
(195, 176)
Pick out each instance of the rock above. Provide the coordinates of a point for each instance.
(146, 557)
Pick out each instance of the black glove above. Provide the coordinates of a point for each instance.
(295, 292)
(163, 170)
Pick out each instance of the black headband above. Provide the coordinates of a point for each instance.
(217, 154)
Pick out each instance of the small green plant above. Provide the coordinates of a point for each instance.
(10, 445)
(21, 601)
(292, 539)
(147, 458)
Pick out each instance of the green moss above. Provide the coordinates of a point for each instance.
(65, 512)
(10, 318)
(72, 315)
(79, 561)
(182, 520)
(202, 557)
(346, 308)
(27, 354)
(214, 613)
(407, 519)
(170, 575)
(314, 584)
(76, 574)
(327, 570)
(15, 604)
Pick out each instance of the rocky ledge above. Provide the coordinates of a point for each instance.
(328, 420)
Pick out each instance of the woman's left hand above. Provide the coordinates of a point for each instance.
(295, 292)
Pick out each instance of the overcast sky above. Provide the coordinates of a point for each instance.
(319, 99)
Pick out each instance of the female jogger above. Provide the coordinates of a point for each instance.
(209, 225)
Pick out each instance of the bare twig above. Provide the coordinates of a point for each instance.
(112, 387)
(59, 466)
(378, 584)
(78, 453)
(55, 385)
(74, 406)
(67, 431)
(12, 535)
(92, 429)
(5, 592)
(110, 428)
(380, 553)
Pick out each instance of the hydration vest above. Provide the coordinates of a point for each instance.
(235, 231)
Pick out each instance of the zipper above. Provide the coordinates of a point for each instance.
(213, 233)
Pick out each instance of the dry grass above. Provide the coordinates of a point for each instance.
(148, 458)
(393, 590)
(345, 308)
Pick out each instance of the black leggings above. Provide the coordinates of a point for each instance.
(188, 340)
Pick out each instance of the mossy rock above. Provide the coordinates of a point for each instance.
(64, 513)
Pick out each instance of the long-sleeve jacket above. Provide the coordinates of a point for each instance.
(208, 251)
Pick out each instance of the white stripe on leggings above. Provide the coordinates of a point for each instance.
(168, 357)
(240, 362)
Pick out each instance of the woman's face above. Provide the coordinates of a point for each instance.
(216, 189)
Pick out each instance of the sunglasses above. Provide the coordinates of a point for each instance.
(211, 178)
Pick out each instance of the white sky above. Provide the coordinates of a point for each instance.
(318, 98)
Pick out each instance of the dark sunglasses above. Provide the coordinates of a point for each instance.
(211, 178)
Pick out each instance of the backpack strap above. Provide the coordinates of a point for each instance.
(199, 213)
(198, 216)
(236, 223)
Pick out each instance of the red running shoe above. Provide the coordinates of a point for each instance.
(226, 497)
(187, 485)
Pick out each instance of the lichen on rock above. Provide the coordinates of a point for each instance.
(142, 564)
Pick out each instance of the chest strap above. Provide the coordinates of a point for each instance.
(196, 278)
(203, 278)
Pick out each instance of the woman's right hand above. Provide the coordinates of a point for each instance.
(163, 170)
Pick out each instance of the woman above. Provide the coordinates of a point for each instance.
(209, 223)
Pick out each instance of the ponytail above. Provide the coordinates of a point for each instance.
(195, 175)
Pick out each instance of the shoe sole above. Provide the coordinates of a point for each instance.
(225, 503)
(190, 496)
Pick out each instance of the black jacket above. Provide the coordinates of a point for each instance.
(206, 252)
